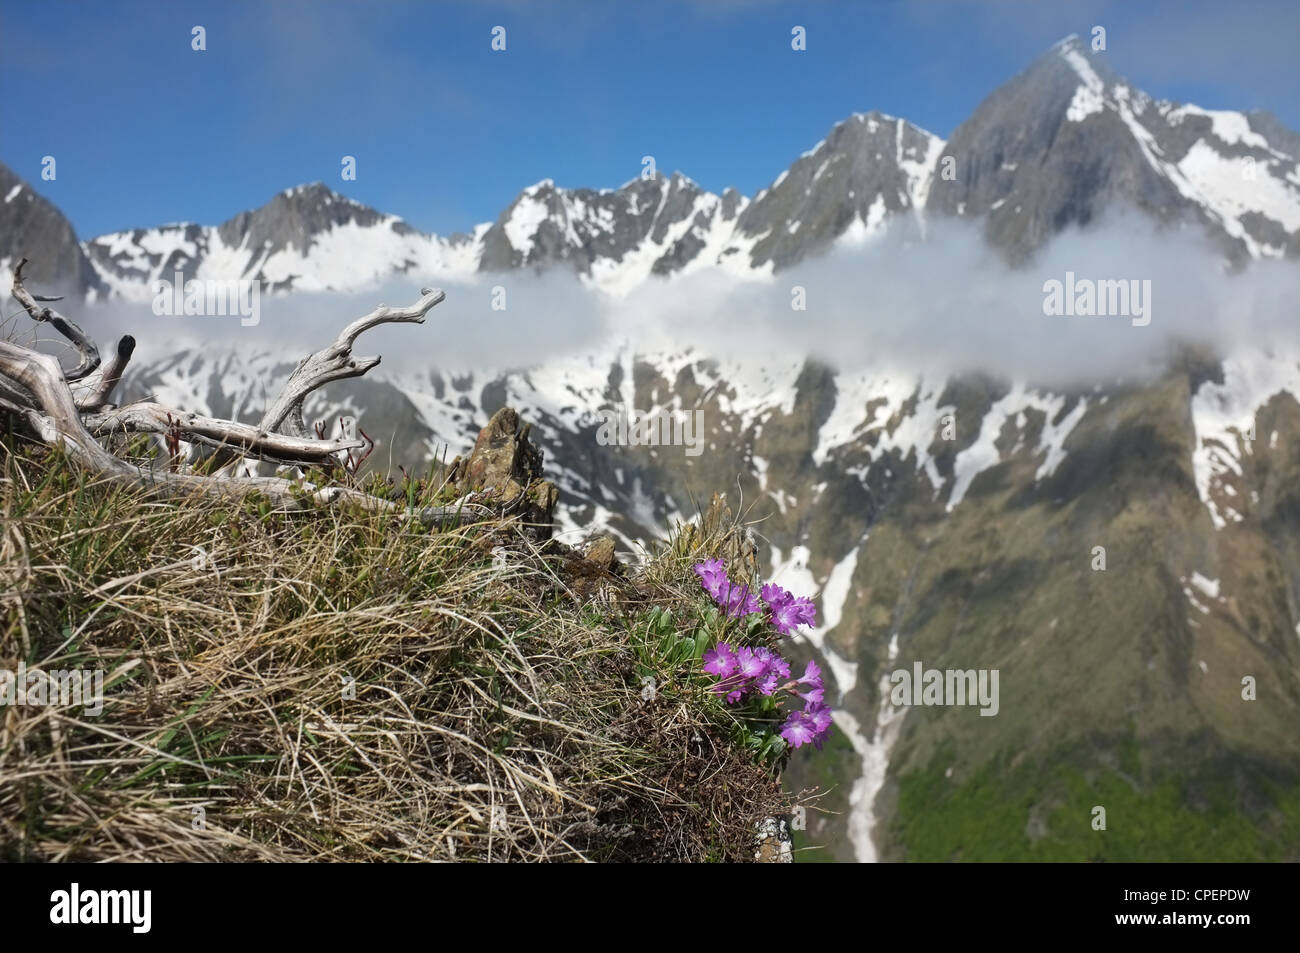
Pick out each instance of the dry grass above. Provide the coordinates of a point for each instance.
(495, 710)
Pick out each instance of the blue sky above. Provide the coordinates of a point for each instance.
(446, 132)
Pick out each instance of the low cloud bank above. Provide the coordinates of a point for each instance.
(948, 305)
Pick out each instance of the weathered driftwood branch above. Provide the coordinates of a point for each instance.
(151, 417)
(32, 305)
(110, 375)
(56, 421)
(35, 388)
(335, 362)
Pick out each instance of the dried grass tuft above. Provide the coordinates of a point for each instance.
(493, 714)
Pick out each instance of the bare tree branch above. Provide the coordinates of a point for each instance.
(335, 362)
(109, 377)
(152, 417)
(56, 422)
(31, 304)
(35, 388)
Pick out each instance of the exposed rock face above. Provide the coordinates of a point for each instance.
(308, 238)
(600, 553)
(506, 467)
(31, 227)
(670, 217)
(870, 167)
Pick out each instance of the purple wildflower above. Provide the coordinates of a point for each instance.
(721, 661)
(805, 611)
(713, 576)
(774, 662)
(798, 730)
(752, 665)
(739, 601)
(784, 617)
(812, 675)
(788, 612)
(777, 669)
(812, 680)
(814, 696)
(819, 716)
(733, 687)
(735, 599)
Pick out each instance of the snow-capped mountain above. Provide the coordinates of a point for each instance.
(870, 168)
(1056, 146)
(1067, 139)
(307, 238)
(616, 237)
(953, 521)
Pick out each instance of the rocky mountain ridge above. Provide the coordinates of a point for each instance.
(1056, 146)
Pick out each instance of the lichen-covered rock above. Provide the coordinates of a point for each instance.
(775, 845)
(505, 468)
(600, 553)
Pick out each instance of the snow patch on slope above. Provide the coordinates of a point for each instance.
(983, 454)
(909, 435)
(1223, 415)
(874, 752)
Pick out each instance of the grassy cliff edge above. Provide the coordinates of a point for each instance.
(339, 685)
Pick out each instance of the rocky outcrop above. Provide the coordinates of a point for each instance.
(505, 468)
(774, 842)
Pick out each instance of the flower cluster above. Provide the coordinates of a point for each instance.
(788, 612)
(743, 670)
(785, 611)
(736, 600)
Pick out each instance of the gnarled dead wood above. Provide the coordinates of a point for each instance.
(56, 421)
(147, 416)
(32, 305)
(35, 388)
(335, 362)
(110, 376)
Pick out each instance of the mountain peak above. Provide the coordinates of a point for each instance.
(31, 227)
(314, 195)
(1060, 143)
(1051, 148)
(294, 217)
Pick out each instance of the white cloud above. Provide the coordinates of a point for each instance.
(952, 304)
